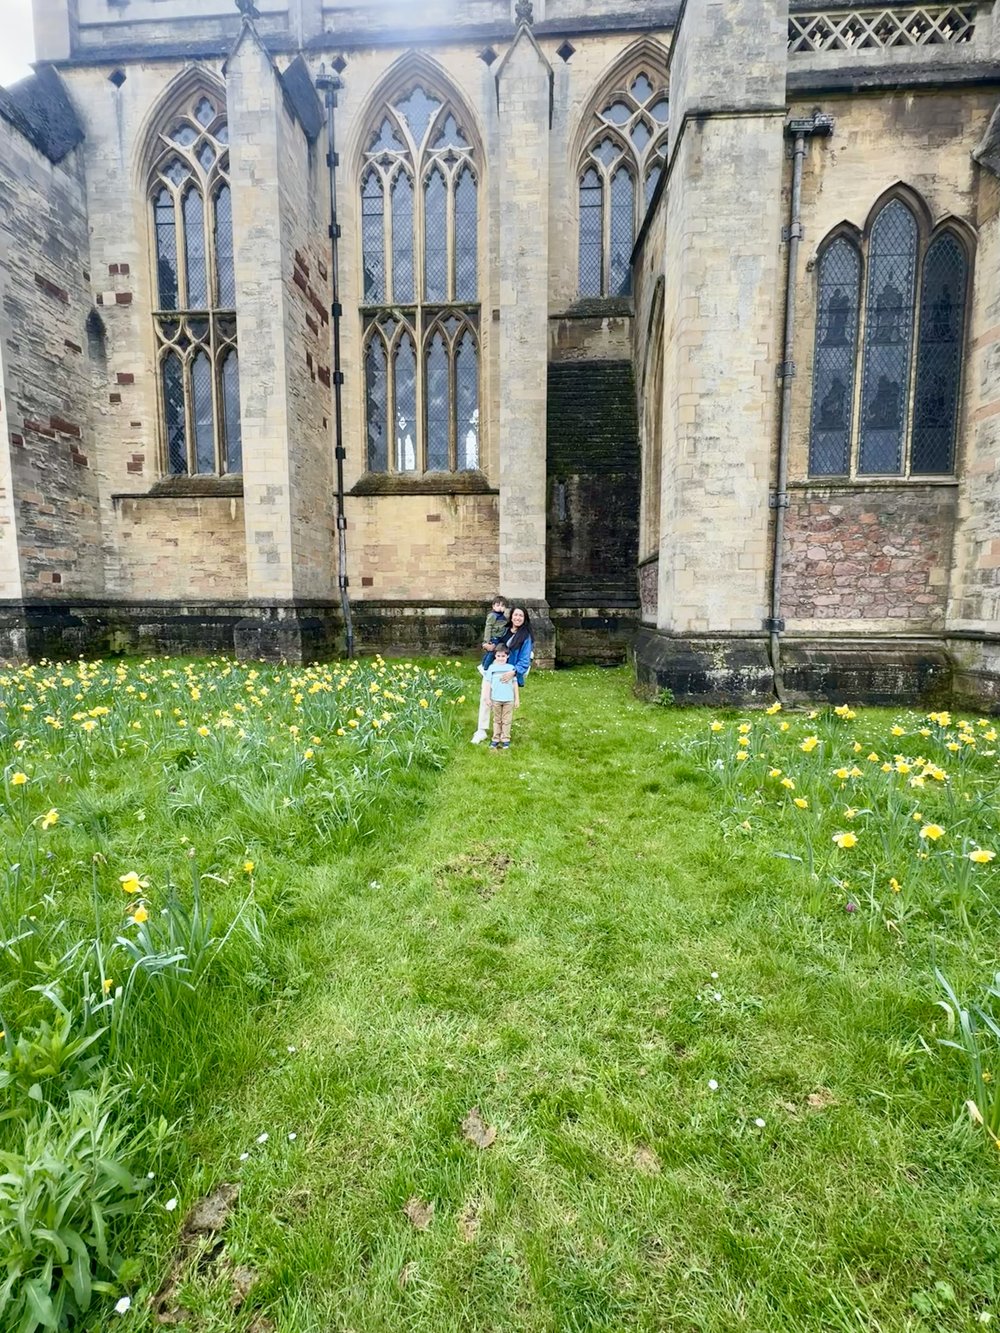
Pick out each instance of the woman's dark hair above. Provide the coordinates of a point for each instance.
(524, 632)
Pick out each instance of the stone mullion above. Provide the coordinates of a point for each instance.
(911, 378)
(854, 442)
(419, 425)
(391, 348)
(218, 425)
(190, 443)
(453, 398)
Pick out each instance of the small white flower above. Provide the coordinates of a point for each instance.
(374, 884)
(291, 1049)
(715, 976)
(263, 1138)
(759, 1123)
(717, 995)
(985, 1317)
(170, 1205)
(713, 1085)
(124, 1305)
(292, 1137)
(150, 1175)
(244, 1156)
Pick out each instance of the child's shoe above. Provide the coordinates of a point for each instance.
(479, 737)
(494, 745)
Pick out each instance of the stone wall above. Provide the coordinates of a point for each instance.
(444, 545)
(868, 557)
(49, 509)
(187, 547)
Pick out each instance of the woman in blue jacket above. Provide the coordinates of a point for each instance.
(521, 648)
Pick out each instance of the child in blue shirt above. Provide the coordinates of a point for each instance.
(504, 697)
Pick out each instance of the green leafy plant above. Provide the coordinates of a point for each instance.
(976, 1033)
(45, 1060)
(60, 1195)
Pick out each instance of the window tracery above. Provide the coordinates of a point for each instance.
(195, 291)
(420, 291)
(620, 167)
(911, 343)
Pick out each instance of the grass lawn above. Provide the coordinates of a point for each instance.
(704, 1035)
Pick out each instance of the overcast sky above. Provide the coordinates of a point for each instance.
(17, 46)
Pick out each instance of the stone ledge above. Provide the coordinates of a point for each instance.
(184, 488)
(426, 483)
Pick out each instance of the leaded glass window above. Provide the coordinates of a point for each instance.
(835, 357)
(420, 306)
(618, 174)
(904, 420)
(892, 264)
(939, 356)
(195, 291)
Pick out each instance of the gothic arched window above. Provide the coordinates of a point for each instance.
(836, 353)
(905, 420)
(618, 172)
(195, 291)
(420, 299)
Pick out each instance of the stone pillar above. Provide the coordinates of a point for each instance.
(723, 313)
(282, 306)
(973, 619)
(524, 81)
(54, 22)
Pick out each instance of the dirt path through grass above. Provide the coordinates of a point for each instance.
(711, 1111)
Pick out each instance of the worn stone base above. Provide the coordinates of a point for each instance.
(871, 671)
(714, 669)
(719, 670)
(92, 628)
(598, 635)
(405, 629)
(975, 671)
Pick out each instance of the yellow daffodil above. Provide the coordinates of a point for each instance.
(895, 885)
(353, 722)
(850, 812)
(981, 856)
(775, 708)
(744, 727)
(131, 883)
(809, 744)
(423, 703)
(774, 773)
(18, 779)
(51, 818)
(140, 915)
(789, 783)
(841, 773)
(742, 754)
(106, 985)
(897, 731)
(845, 840)
(248, 867)
(341, 731)
(783, 726)
(932, 831)
(801, 802)
(873, 758)
(308, 754)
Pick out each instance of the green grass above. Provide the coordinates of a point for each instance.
(535, 934)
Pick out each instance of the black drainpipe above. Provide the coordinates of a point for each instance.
(801, 130)
(329, 84)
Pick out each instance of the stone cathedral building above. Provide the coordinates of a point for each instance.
(679, 322)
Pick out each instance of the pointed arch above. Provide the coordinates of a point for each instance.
(397, 82)
(646, 52)
(191, 80)
(620, 145)
(184, 160)
(418, 168)
(892, 302)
